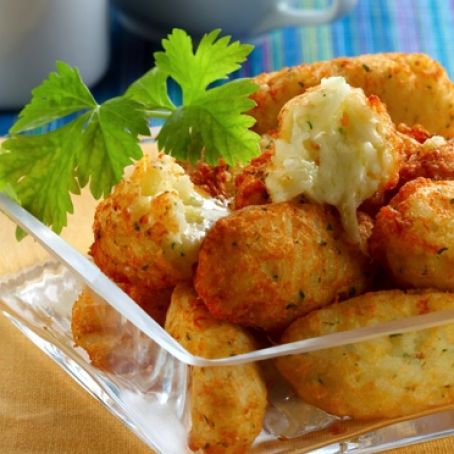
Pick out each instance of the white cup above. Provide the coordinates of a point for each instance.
(36, 33)
(240, 18)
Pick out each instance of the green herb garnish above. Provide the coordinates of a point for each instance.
(7, 189)
(43, 169)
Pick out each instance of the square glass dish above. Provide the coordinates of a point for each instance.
(152, 397)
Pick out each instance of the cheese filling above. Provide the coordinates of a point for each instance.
(168, 196)
(333, 147)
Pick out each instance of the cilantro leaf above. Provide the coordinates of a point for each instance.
(213, 125)
(62, 94)
(40, 170)
(7, 189)
(43, 169)
(213, 60)
(151, 90)
(112, 144)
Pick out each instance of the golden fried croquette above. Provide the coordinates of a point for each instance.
(413, 236)
(148, 231)
(217, 181)
(416, 132)
(110, 341)
(264, 266)
(388, 377)
(435, 162)
(336, 146)
(333, 128)
(415, 88)
(227, 402)
(424, 155)
(250, 183)
(154, 302)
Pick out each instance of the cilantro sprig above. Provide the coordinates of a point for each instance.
(42, 169)
(211, 121)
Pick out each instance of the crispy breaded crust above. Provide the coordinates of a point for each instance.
(227, 403)
(414, 235)
(264, 266)
(109, 340)
(414, 87)
(133, 234)
(250, 183)
(434, 163)
(389, 377)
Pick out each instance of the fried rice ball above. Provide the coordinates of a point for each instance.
(388, 377)
(264, 266)
(227, 402)
(394, 77)
(434, 159)
(148, 231)
(112, 343)
(335, 146)
(413, 236)
(420, 154)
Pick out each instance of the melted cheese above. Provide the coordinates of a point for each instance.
(168, 197)
(333, 147)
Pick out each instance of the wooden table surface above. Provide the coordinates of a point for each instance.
(41, 409)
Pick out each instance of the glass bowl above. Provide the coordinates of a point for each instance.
(152, 400)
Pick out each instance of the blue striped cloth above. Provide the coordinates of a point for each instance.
(373, 26)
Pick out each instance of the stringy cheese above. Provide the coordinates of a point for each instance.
(333, 147)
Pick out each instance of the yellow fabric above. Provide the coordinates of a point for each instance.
(43, 411)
